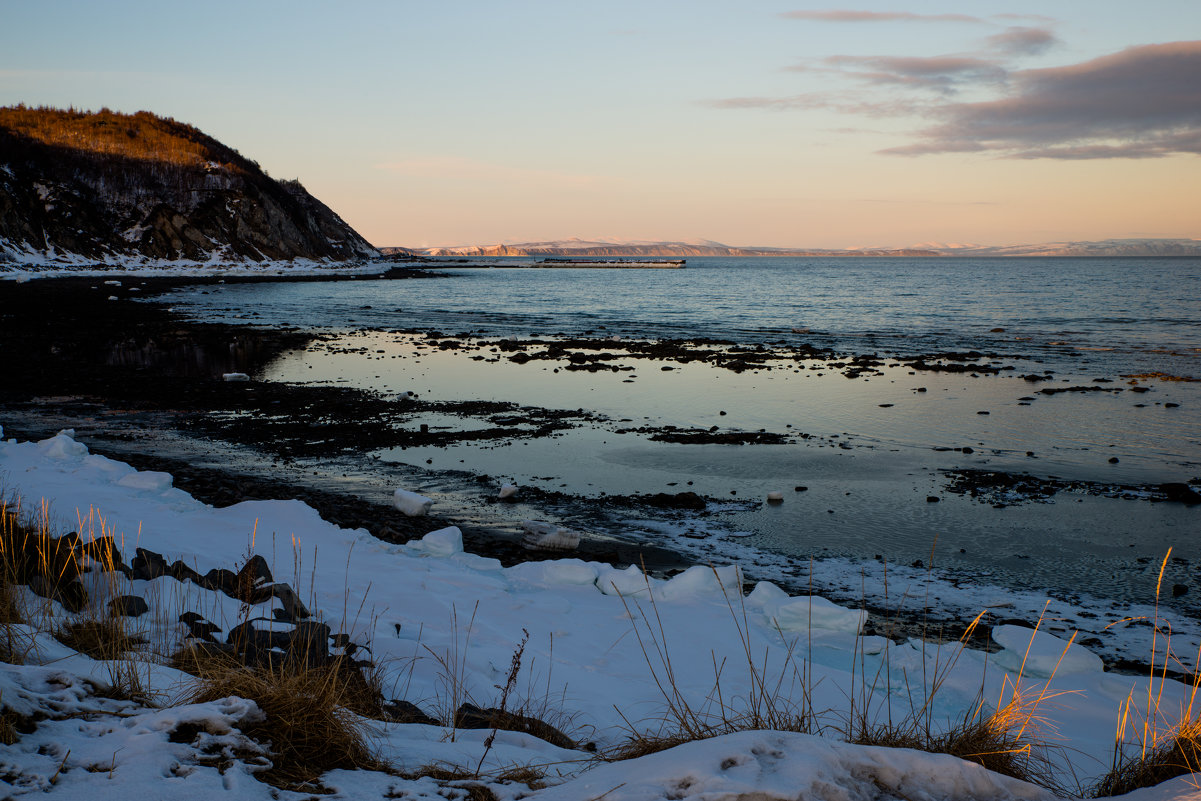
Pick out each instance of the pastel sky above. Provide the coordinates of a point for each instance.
(444, 122)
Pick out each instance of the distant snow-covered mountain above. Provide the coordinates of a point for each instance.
(702, 247)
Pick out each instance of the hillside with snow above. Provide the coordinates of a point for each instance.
(106, 188)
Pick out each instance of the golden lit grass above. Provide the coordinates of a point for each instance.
(1178, 754)
(1168, 741)
(308, 721)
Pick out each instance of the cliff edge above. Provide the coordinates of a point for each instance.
(109, 188)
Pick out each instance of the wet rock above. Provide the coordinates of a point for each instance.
(1179, 589)
(1181, 493)
(932, 499)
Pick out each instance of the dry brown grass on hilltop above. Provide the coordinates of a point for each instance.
(142, 136)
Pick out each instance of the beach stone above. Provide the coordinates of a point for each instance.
(71, 594)
(220, 579)
(1180, 492)
(198, 627)
(148, 565)
(932, 499)
(469, 716)
(180, 571)
(291, 602)
(104, 551)
(406, 712)
(256, 571)
(128, 606)
(1179, 589)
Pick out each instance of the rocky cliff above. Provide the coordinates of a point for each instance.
(108, 187)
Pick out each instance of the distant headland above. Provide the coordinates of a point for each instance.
(580, 248)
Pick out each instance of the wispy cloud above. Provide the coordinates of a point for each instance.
(1143, 102)
(1021, 40)
(941, 73)
(457, 168)
(841, 15)
(895, 107)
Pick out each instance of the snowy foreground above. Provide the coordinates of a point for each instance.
(433, 614)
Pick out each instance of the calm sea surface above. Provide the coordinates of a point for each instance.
(881, 443)
(1117, 314)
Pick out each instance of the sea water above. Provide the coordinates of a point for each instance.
(879, 447)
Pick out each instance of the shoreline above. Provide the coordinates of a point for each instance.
(132, 388)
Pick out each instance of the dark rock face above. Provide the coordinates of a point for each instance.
(114, 185)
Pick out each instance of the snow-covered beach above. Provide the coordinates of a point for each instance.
(424, 604)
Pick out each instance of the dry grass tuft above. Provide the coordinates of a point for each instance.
(308, 721)
(1178, 755)
(987, 740)
(777, 696)
(1167, 741)
(99, 638)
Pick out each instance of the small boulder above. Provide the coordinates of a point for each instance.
(128, 606)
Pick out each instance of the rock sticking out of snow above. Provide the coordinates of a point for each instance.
(411, 503)
(540, 535)
(507, 491)
(234, 377)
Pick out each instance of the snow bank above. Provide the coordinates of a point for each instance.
(420, 604)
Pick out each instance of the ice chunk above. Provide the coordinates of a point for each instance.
(766, 593)
(507, 491)
(147, 480)
(62, 446)
(443, 542)
(775, 497)
(234, 377)
(701, 580)
(411, 503)
(572, 572)
(1044, 654)
(802, 614)
(631, 581)
(541, 535)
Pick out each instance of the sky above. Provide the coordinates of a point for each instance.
(748, 122)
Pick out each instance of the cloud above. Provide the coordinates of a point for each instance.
(456, 168)
(1022, 41)
(838, 15)
(1142, 102)
(942, 73)
(823, 101)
